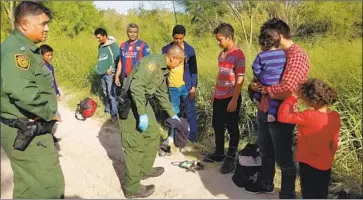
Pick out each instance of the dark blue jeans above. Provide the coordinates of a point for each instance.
(275, 143)
(109, 91)
(179, 96)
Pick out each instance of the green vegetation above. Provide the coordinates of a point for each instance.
(330, 32)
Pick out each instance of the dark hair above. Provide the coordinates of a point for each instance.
(101, 31)
(269, 38)
(44, 48)
(316, 92)
(179, 29)
(225, 29)
(278, 25)
(26, 8)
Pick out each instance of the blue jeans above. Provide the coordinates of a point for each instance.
(177, 97)
(109, 91)
(275, 143)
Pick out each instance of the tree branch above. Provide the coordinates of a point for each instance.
(9, 12)
(236, 13)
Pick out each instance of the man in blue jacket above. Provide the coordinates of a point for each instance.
(182, 82)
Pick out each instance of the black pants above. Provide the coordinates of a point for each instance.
(222, 120)
(314, 182)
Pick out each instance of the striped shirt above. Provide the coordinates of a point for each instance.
(295, 73)
(230, 65)
(268, 66)
(131, 53)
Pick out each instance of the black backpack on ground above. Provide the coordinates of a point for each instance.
(247, 173)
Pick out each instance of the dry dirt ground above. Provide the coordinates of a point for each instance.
(91, 159)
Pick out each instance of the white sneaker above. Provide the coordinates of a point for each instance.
(170, 140)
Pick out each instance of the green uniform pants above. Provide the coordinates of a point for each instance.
(139, 148)
(37, 173)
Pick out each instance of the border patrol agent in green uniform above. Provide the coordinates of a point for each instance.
(27, 93)
(140, 131)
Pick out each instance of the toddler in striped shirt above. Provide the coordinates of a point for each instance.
(268, 68)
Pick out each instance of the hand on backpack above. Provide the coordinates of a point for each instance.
(143, 122)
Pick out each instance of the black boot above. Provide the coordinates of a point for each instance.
(229, 163)
(155, 172)
(144, 191)
(214, 157)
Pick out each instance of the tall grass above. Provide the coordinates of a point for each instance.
(338, 63)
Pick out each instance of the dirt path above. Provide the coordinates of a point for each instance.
(91, 151)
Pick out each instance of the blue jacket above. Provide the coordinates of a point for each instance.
(190, 65)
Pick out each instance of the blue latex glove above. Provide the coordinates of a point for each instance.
(175, 117)
(143, 122)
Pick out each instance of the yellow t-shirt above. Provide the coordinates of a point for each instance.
(176, 76)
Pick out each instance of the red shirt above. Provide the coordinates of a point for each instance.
(296, 72)
(318, 133)
(230, 65)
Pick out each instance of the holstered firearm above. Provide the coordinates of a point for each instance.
(28, 130)
(124, 99)
(124, 106)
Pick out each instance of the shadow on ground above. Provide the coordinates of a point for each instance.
(110, 138)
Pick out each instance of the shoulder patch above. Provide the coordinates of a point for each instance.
(151, 67)
(22, 61)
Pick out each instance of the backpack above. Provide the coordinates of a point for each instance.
(247, 173)
(86, 108)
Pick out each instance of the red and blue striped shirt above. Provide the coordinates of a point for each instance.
(230, 64)
(131, 53)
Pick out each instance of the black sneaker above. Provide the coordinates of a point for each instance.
(228, 165)
(214, 157)
(55, 140)
(258, 189)
(143, 192)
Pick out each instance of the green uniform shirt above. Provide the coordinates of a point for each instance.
(26, 83)
(149, 78)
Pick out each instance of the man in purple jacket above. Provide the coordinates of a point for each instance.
(47, 54)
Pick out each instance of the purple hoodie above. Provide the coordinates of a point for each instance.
(51, 68)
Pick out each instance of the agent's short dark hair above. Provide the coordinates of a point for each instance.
(45, 48)
(316, 92)
(269, 38)
(279, 25)
(179, 29)
(132, 25)
(225, 29)
(26, 8)
(100, 31)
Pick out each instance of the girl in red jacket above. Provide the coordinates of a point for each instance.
(317, 139)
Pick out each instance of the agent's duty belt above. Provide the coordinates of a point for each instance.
(27, 130)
